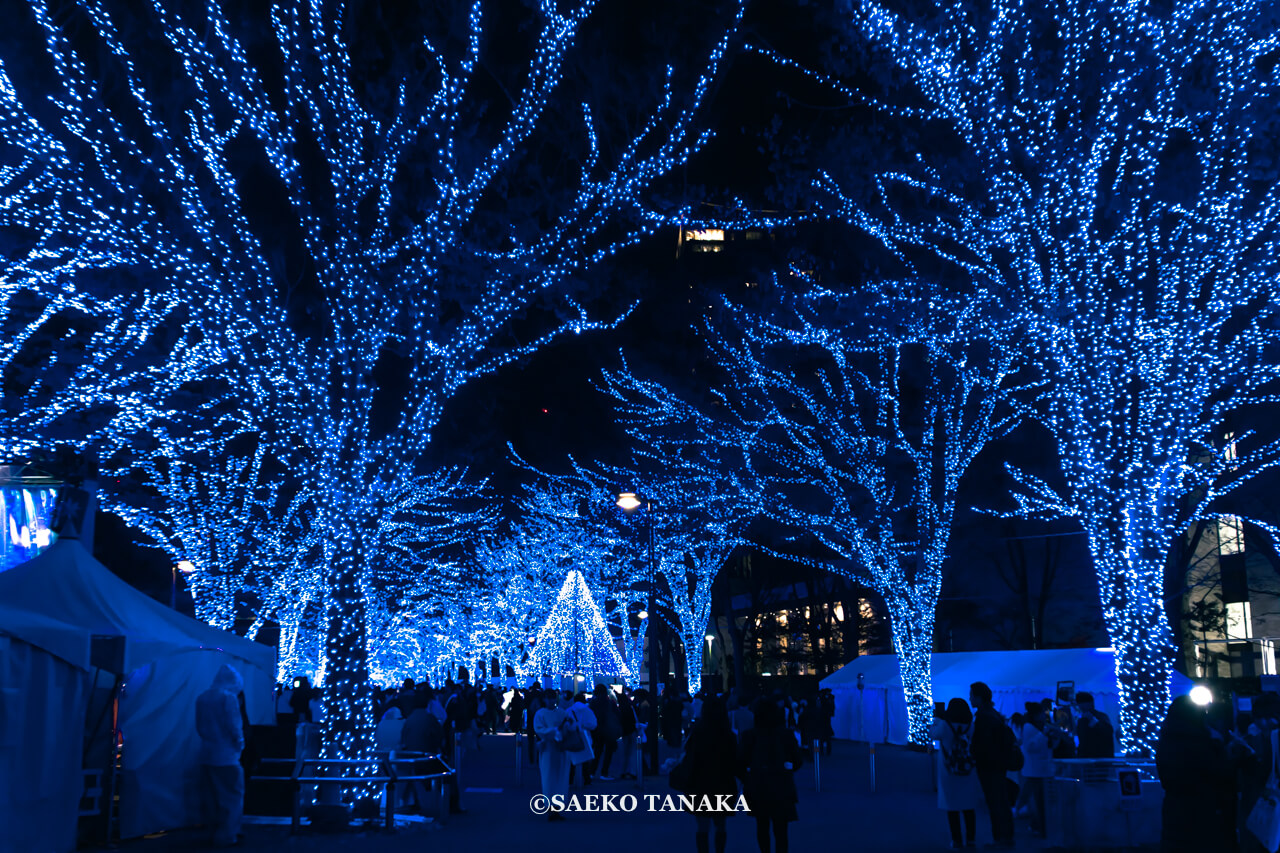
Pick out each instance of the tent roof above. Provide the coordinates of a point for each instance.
(59, 639)
(1091, 669)
(66, 584)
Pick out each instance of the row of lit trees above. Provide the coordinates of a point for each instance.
(305, 194)
(315, 226)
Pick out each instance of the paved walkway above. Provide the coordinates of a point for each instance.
(901, 816)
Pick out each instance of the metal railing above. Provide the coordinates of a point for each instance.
(387, 776)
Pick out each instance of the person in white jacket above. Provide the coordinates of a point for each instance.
(959, 793)
(551, 724)
(1037, 756)
(221, 731)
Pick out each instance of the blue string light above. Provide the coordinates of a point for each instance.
(812, 406)
(575, 640)
(115, 180)
(1122, 203)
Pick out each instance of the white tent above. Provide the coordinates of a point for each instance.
(168, 660)
(44, 684)
(879, 711)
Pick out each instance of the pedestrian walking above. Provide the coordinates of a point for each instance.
(1037, 753)
(604, 739)
(770, 756)
(585, 719)
(714, 766)
(556, 732)
(1193, 768)
(221, 742)
(630, 736)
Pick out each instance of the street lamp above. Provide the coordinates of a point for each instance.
(186, 567)
(629, 502)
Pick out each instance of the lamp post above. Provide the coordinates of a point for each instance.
(629, 502)
(708, 664)
(186, 567)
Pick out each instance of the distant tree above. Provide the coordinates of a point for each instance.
(854, 419)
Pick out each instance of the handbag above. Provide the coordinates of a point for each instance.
(1264, 817)
(571, 740)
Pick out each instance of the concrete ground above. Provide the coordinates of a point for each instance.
(900, 816)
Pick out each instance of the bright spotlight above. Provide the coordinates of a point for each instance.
(1201, 695)
(628, 501)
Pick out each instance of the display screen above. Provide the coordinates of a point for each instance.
(27, 515)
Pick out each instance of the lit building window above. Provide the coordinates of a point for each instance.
(705, 235)
(1239, 621)
(1230, 535)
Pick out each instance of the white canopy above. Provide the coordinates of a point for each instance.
(1015, 678)
(44, 683)
(168, 660)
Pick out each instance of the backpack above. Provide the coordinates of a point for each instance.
(959, 761)
(1009, 746)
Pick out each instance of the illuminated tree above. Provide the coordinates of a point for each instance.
(575, 639)
(857, 418)
(349, 204)
(232, 523)
(1120, 191)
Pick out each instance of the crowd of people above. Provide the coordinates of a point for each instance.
(730, 745)
(979, 755)
(1212, 766)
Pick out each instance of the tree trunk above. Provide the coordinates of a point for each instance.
(913, 640)
(1144, 651)
(348, 723)
(693, 660)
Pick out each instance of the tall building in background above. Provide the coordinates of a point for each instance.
(1231, 600)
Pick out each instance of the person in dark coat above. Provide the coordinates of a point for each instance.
(672, 712)
(604, 738)
(1256, 765)
(630, 747)
(991, 751)
(1191, 762)
(422, 732)
(827, 704)
(1097, 735)
(809, 726)
(714, 769)
(300, 700)
(770, 757)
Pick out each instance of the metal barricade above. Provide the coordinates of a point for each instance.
(386, 776)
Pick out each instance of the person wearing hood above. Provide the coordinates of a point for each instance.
(386, 737)
(221, 741)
